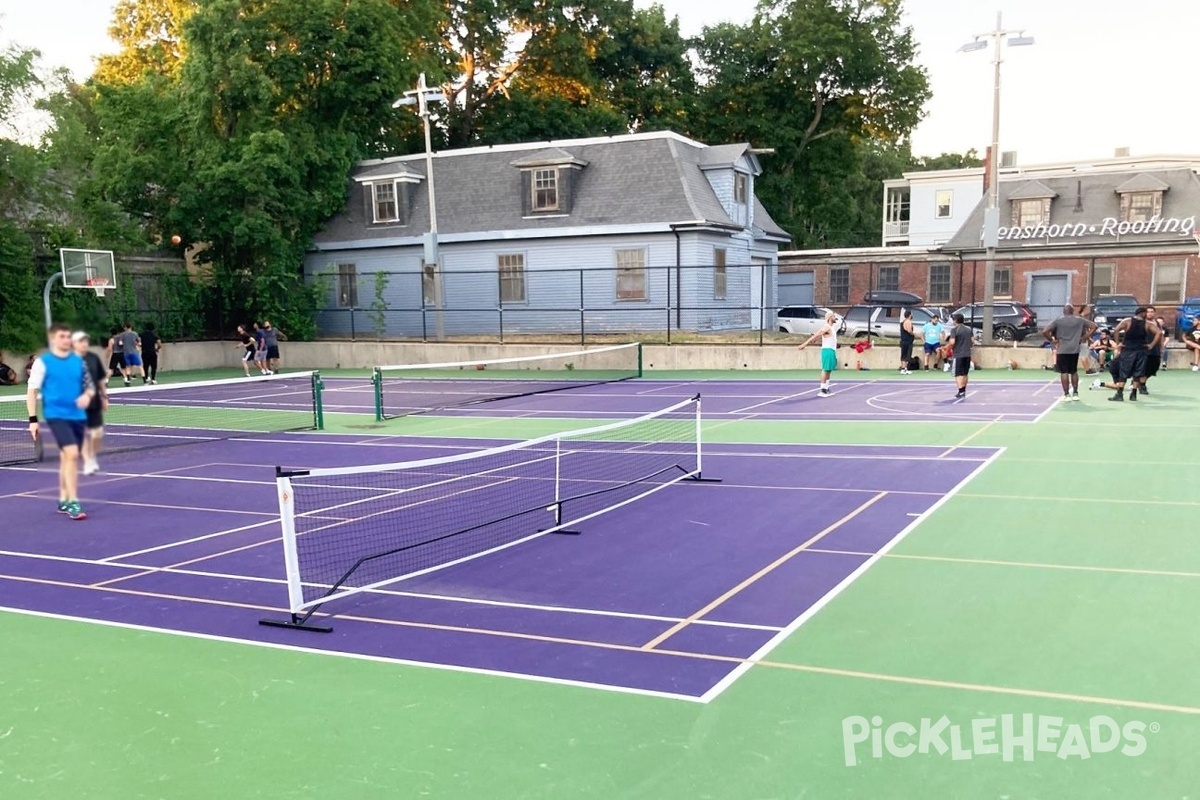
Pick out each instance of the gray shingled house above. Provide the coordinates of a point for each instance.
(636, 230)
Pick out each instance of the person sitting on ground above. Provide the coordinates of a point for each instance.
(8, 375)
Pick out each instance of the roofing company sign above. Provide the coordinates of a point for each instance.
(1110, 226)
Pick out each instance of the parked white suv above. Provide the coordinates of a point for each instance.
(806, 320)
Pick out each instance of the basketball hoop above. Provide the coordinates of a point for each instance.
(98, 285)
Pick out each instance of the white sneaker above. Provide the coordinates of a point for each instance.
(823, 393)
(1097, 384)
(90, 467)
(1195, 368)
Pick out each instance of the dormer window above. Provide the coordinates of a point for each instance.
(549, 179)
(1031, 204)
(741, 188)
(1030, 213)
(545, 189)
(1142, 197)
(386, 208)
(1142, 206)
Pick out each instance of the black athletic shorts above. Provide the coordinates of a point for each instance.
(962, 366)
(95, 417)
(273, 353)
(1153, 362)
(116, 362)
(1130, 364)
(67, 432)
(905, 351)
(1067, 363)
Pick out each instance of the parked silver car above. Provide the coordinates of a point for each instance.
(885, 320)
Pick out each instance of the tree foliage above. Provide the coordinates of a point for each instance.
(814, 80)
(247, 149)
(150, 33)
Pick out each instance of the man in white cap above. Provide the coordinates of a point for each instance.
(93, 435)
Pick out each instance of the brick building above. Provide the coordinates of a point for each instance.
(1069, 234)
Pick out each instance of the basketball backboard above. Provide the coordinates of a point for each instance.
(88, 269)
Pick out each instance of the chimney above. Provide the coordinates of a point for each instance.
(1121, 152)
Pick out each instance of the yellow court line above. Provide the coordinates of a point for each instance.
(1162, 573)
(963, 443)
(677, 627)
(834, 671)
(1121, 500)
(980, 687)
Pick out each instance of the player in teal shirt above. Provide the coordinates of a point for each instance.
(66, 389)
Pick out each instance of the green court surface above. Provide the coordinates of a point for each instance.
(1062, 582)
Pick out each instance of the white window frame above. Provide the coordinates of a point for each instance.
(347, 284)
(949, 283)
(741, 188)
(1178, 263)
(1131, 214)
(899, 206)
(837, 301)
(1006, 270)
(395, 201)
(949, 204)
(543, 184)
(879, 282)
(510, 271)
(1112, 278)
(1041, 212)
(720, 273)
(631, 264)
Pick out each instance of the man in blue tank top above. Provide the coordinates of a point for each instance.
(66, 389)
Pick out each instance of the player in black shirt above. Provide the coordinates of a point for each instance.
(151, 345)
(93, 436)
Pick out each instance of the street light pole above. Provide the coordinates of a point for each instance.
(991, 216)
(421, 97)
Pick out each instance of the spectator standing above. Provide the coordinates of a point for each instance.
(907, 336)
(93, 434)
(931, 333)
(828, 336)
(1067, 334)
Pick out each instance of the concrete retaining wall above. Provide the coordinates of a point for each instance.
(363, 355)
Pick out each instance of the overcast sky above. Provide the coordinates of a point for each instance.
(1102, 75)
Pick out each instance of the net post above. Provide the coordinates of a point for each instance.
(291, 560)
(377, 381)
(699, 476)
(639, 359)
(558, 502)
(318, 394)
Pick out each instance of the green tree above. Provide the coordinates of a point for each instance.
(20, 185)
(247, 148)
(812, 79)
(150, 33)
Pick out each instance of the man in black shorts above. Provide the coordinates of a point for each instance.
(93, 435)
(1137, 337)
(908, 335)
(960, 341)
(59, 377)
(151, 344)
(1067, 334)
(1154, 356)
(271, 342)
(116, 356)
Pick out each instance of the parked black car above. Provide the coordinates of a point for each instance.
(1109, 309)
(1011, 322)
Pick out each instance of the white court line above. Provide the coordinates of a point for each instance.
(829, 596)
(360, 656)
(389, 592)
(813, 390)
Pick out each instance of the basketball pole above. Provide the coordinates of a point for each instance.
(46, 297)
